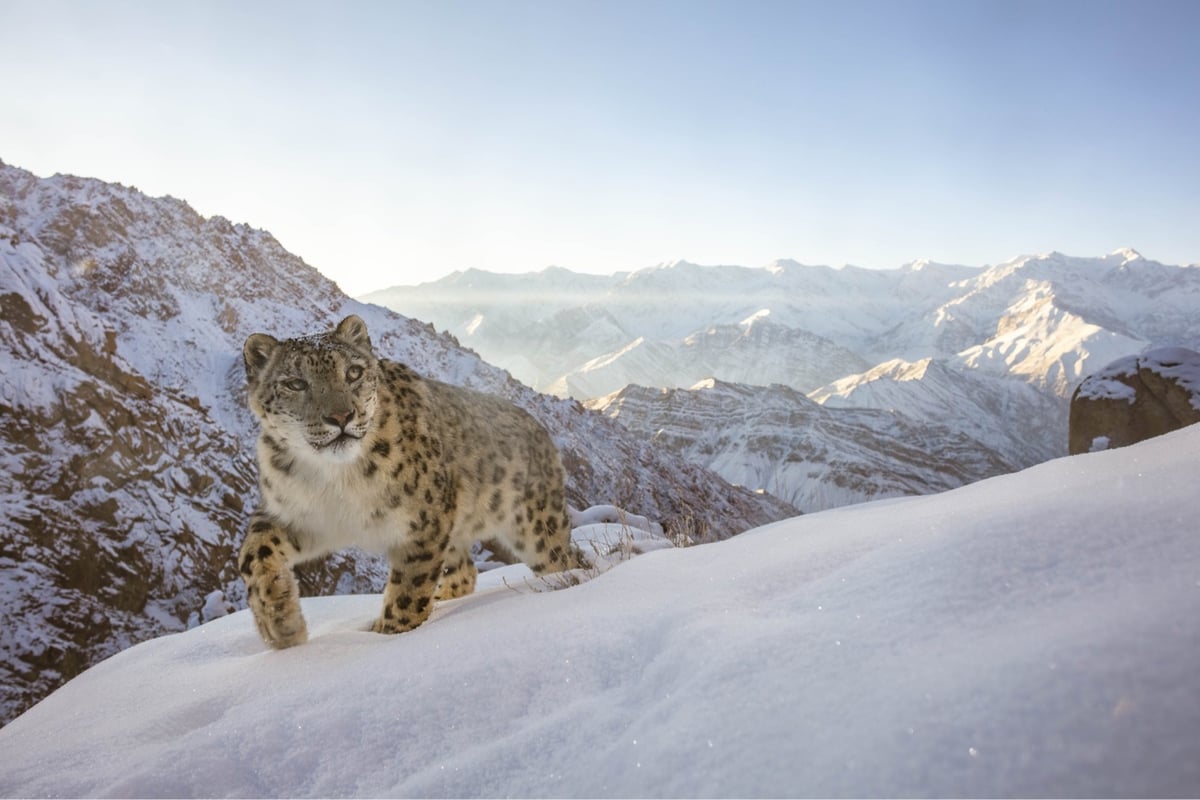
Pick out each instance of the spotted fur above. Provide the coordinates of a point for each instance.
(357, 450)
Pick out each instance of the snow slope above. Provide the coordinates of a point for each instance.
(1031, 634)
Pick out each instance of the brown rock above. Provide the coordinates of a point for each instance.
(1136, 398)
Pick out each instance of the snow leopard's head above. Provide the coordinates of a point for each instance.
(318, 391)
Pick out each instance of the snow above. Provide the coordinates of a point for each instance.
(612, 515)
(1046, 345)
(757, 316)
(1179, 365)
(1107, 383)
(1106, 386)
(1125, 255)
(1032, 634)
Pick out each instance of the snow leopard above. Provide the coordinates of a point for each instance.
(358, 450)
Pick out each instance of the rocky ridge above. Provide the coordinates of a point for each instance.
(775, 439)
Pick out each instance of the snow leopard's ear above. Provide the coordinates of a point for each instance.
(353, 331)
(257, 352)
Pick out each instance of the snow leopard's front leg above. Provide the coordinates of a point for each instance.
(271, 589)
(408, 598)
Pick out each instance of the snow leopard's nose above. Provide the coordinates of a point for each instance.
(339, 418)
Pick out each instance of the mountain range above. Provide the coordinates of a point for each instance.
(970, 367)
(126, 455)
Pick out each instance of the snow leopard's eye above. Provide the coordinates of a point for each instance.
(353, 373)
(296, 384)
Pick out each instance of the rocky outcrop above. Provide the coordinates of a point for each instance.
(1135, 398)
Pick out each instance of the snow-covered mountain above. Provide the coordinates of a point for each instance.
(126, 461)
(754, 351)
(1032, 635)
(992, 352)
(1007, 318)
(778, 440)
(558, 321)
(1017, 421)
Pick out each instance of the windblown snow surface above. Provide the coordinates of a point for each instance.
(1033, 634)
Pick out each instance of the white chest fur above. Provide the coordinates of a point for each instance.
(334, 506)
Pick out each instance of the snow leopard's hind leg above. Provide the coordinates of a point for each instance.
(553, 550)
(458, 575)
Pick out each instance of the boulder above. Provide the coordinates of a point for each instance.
(1135, 398)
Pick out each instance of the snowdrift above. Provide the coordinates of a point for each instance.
(1032, 634)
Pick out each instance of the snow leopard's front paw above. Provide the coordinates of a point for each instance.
(275, 601)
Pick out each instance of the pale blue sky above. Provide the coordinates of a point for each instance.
(394, 142)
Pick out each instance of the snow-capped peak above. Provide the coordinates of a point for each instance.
(1125, 255)
(673, 264)
(757, 316)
